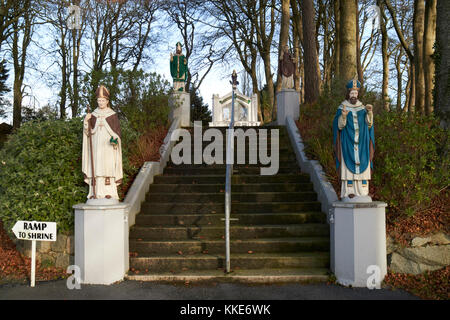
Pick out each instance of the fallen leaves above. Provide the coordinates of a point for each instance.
(15, 267)
(429, 285)
(431, 220)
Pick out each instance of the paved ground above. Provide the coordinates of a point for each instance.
(137, 290)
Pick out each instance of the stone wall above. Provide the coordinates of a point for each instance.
(59, 253)
(424, 254)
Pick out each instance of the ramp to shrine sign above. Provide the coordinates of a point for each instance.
(35, 230)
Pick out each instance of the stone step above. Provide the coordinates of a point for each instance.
(282, 147)
(236, 232)
(281, 129)
(271, 245)
(158, 263)
(235, 179)
(215, 219)
(283, 157)
(249, 276)
(222, 171)
(261, 197)
(247, 188)
(289, 163)
(240, 207)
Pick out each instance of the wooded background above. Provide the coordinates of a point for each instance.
(405, 60)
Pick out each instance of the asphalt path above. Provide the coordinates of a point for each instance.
(137, 290)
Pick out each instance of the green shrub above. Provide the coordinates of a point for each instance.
(409, 170)
(40, 172)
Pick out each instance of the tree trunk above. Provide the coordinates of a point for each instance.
(419, 24)
(358, 49)
(428, 43)
(297, 40)
(337, 40)
(399, 80)
(412, 90)
(19, 59)
(407, 93)
(312, 75)
(442, 105)
(385, 58)
(76, 41)
(347, 35)
(284, 34)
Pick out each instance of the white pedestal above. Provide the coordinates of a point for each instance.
(180, 106)
(288, 105)
(101, 242)
(359, 242)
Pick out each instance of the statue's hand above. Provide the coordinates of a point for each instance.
(369, 108)
(344, 112)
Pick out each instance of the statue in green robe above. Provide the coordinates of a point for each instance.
(178, 69)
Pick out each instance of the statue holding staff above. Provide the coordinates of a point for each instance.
(102, 149)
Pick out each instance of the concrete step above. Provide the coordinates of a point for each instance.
(247, 188)
(249, 276)
(222, 171)
(235, 179)
(271, 245)
(215, 219)
(240, 207)
(281, 129)
(158, 263)
(288, 158)
(289, 163)
(260, 197)
(236, 232)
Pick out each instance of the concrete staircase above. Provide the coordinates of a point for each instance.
(280, 233)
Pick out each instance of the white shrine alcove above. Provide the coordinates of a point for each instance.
(245, 110)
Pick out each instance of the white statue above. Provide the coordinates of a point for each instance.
(102, 150)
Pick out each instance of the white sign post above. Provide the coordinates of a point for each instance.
(34, 230)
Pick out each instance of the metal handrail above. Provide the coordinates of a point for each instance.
(229, 172)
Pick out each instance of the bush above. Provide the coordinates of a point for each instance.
(40, 172)
(409, 169)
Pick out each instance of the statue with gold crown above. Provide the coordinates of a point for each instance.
(102, 150)
(354, 145)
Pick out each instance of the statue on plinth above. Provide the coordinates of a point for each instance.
(354, 145)
(102, 149)
(178, 69)
(286, 69)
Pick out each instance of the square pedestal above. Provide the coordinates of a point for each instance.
(288, 105)
(180, 107)
(101, 242)
(359, 243)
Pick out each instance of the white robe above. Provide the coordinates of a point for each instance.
(107, 159)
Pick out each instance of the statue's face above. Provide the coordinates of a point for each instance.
(102, 103)
(353, 96)
(178, 48)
